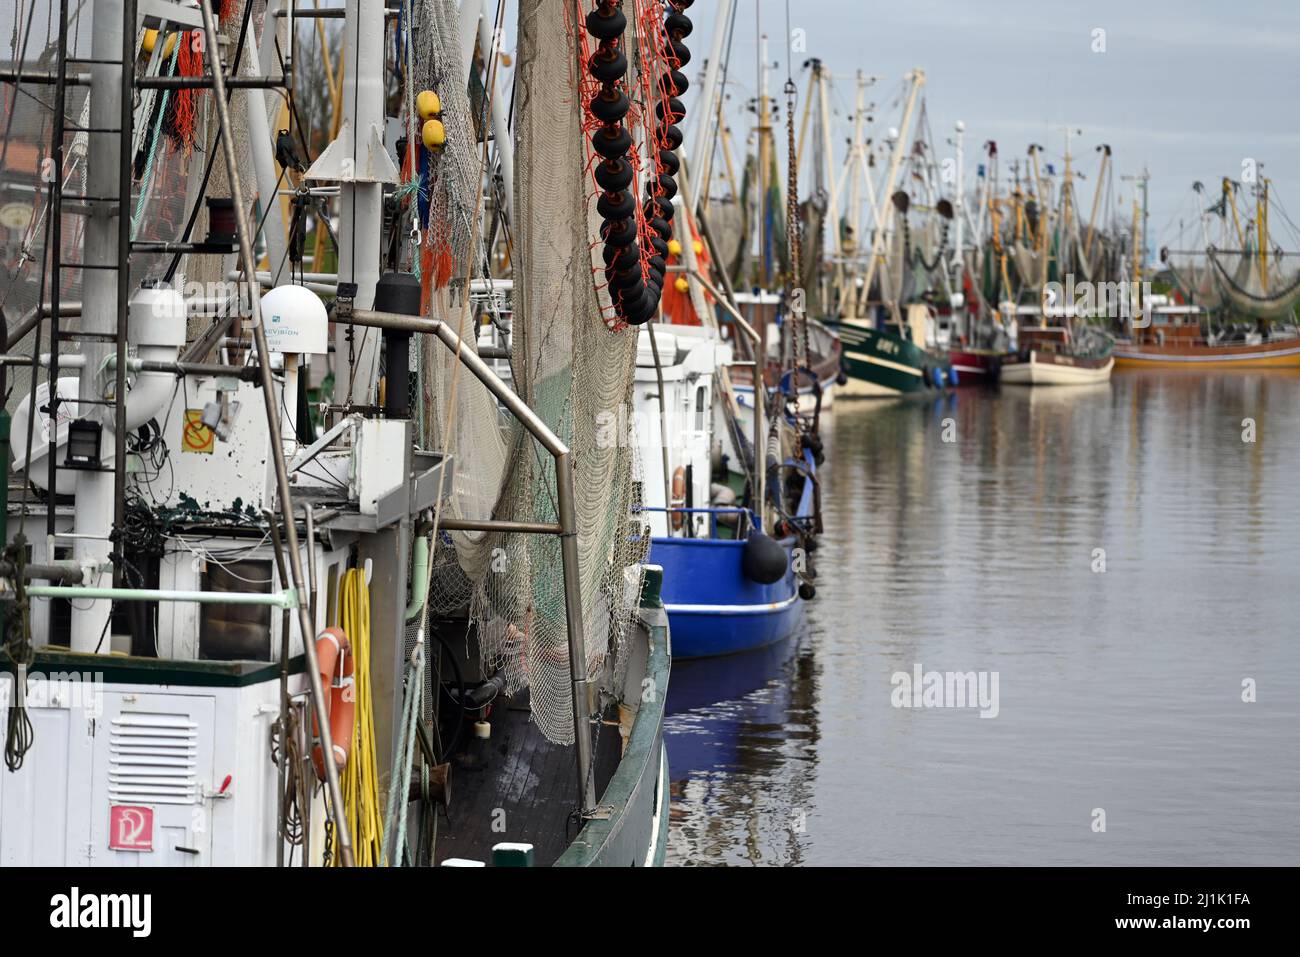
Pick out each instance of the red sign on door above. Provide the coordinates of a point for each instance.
(130, 827)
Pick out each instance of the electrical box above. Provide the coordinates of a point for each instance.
(143, 772)
(379, 461)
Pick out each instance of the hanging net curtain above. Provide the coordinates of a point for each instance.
(567, 364)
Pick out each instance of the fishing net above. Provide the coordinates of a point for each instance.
(1256, 286)
(572, 369)
(1195, 280)
(458, 412)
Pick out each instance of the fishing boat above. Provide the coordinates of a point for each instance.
(290, 574)
(885, 317)
(976, 366)
(736, 574)
(878, 362)
(1188, 347)
(825, 370)
(728, 460)
(1232, 308)
(1057, 355)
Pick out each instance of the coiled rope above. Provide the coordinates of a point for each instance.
(360, 783)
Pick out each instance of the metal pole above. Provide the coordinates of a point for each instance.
(282, 778)
(497, 525)
(125, 165)
(500, 117)
(282, 599)
(663, 415)
(54, 252)
(699, 165)
(261, 137)
(361, 202)
(95, 488)
(577, 641)
(276, 441)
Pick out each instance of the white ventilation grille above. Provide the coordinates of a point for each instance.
(153, 759)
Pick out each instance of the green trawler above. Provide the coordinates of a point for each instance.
(882, 363)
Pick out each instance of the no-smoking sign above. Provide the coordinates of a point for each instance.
(197, 437)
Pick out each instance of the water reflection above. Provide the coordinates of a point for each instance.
(741, 734)
(1124, 561)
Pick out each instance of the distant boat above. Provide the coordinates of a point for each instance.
(1056, 355)
(879, 362)
(1187, 346)
(1239, 309)
(976, 366)
(730, 583)
(1239, 304)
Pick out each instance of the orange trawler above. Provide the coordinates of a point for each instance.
(1234, 308)
(1187, 347)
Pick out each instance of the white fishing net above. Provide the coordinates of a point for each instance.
(566, 364)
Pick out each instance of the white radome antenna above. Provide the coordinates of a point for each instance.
(296, 324)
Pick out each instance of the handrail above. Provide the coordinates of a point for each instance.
(286, 599)
(713, 510)
(567, 513)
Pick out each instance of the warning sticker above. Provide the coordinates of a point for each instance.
(197, 436)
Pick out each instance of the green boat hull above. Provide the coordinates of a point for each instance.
(879, 363)
(632, 829)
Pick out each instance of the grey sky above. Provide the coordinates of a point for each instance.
(1188, 88)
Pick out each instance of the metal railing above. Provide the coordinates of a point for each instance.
(566, 528)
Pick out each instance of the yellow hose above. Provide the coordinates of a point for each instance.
(360, 781)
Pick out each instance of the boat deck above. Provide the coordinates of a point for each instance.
(518, 787)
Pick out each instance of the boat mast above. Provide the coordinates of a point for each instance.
(832, 184)
(1104, 149)
(358, 160)
(855, 175)
(1066, 205)
(886, 209)
(701, 159)
(764, 161)
(1042, 237)
(1261, 233)
(260, 137)
(959, 202)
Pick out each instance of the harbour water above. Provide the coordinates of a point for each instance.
(1123, 560)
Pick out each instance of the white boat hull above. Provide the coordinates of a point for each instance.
(1036, 371)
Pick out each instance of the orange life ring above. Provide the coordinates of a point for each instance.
(679, 495)
(334, 656)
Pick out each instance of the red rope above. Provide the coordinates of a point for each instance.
(184, 107)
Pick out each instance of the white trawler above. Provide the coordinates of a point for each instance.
(245, 531)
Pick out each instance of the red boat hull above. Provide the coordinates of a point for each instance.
(975, 367)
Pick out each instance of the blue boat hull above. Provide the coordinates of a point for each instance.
(713, 609)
